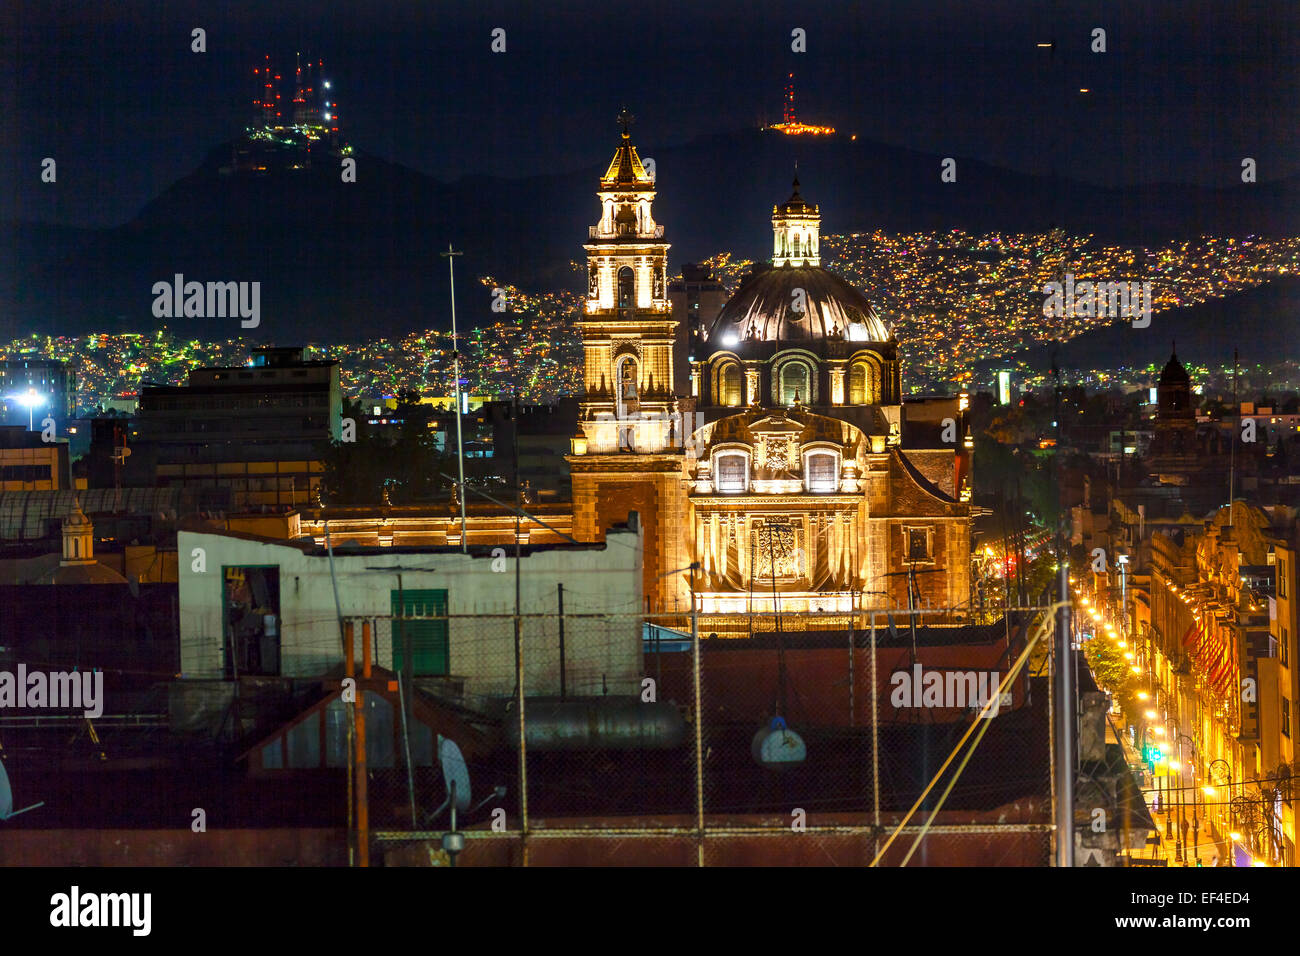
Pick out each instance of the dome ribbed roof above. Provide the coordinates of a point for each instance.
(93, 573)
(763, 307)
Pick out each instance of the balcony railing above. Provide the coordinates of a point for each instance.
(593, 232)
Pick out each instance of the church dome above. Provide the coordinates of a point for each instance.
(764, 308)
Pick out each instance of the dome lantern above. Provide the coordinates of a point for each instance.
(796, 228)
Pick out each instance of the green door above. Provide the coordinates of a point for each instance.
(428, 639)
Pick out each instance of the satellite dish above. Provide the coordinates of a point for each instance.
(455, 773)
(7, 798)
(777, 747)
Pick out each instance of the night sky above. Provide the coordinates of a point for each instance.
(113, 92)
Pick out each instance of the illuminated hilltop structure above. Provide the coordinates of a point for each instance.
(790, 124)
(273, 144)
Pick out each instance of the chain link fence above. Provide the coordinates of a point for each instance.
(888, 737)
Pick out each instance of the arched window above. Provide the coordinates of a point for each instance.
(858, 384)
(821, 474)
(864, 384)
(729, 379)
(626, 288)
(794, 383)
(796, 246)
(732, 473)
(627, 379)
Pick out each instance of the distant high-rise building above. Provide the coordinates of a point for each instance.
(696, 299)
(29, 464)
(1005, 392)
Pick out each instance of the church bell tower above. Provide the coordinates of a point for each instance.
(627, 326)
(627, 454)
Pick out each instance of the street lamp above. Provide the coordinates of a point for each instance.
(1122, 561)
(1194, 846)
(32, 400)
(1220, 774)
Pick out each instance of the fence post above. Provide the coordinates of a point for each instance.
(363, 795)
(349, 667)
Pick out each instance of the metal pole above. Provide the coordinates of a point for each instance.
(699, 721)
(1065, 714)
(559, 588)
(349, 664)
(363, 795)
(407, 675)
(1066, 707)
(875, 731)
(406, 745)
(519, 660)
(334, 581)
(450, 255)
(852, 689)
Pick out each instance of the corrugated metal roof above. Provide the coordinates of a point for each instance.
(28, 515)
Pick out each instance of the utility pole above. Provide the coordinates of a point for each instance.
(1232, 442)
(1065, 711)
(450, 255)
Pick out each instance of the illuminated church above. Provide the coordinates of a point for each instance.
(783, 473)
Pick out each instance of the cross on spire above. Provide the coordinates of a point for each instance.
(625, 120)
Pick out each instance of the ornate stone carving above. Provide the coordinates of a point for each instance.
(778, 452)
(776, 543)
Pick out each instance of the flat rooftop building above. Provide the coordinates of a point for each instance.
(259, 427)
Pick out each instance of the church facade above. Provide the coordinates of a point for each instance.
(782, 482)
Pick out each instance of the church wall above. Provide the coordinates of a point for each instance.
(605, 498)
(939, 466)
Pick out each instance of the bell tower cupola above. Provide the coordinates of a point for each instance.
(796, 228)
(628, 330)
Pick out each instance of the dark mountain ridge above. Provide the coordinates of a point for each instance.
(345, 261)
